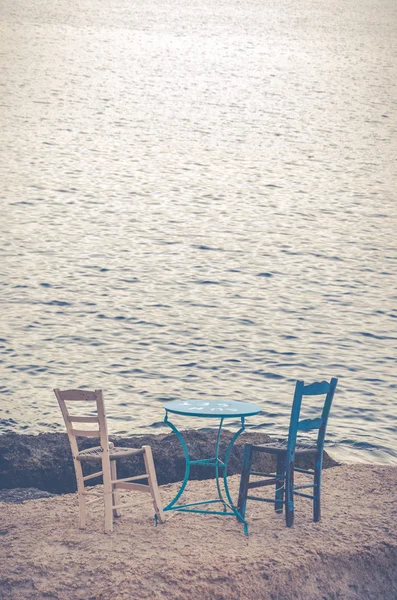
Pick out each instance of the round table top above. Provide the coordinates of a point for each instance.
(212, 408)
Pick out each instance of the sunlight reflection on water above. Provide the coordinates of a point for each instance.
(199, 202)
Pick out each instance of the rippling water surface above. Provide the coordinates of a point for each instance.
(198, 200)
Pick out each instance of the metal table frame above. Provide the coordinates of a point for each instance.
(224, 497)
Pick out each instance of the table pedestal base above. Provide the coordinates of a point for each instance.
(224, 498)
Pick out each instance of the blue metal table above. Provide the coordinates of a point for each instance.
(210, 410)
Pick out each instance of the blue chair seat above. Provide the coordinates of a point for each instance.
(282, 446)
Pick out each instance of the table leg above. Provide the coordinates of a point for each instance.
(187, 463)
(226, 460)
(217, 463)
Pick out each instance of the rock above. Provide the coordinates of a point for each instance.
(19, 495)
(45, 462)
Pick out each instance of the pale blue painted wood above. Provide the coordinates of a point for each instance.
(316, 389)
(309, 424)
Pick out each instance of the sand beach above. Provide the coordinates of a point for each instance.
(350, 554)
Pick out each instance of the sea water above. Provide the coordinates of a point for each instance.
(198, 201)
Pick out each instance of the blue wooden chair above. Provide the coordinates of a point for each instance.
(286, 452)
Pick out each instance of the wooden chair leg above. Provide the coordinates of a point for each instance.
(280, 484)
(115, 492)
(107, 491)
(81, 496)
(244, 480)
(289, 494)
(152, 481)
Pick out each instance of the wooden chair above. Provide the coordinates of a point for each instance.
(285, 453)
(107, 454)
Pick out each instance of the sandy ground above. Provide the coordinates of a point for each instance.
(351, 553)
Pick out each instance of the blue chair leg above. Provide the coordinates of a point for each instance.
(289, 494)
(317, 492)
(245, 475)
(280, 484)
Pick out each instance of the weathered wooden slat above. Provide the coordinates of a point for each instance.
(75, 419)
(309, 424)
(86, 432)
(135, 478)
(304, 495)
(304, 471)
(79, 395)
(302, 487)
(262, 483)
(258, 474)
(316, 389)
(139, 487)
(87, 477)
(264, 499)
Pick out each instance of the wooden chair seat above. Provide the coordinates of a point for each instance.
(96, 453)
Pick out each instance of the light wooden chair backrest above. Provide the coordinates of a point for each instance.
(73, 432)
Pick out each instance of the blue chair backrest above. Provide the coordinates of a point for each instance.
(322, 388)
